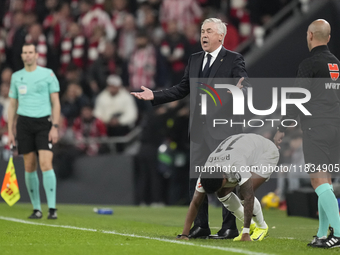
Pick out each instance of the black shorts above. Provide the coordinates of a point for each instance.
(32, 134)
(321, 148)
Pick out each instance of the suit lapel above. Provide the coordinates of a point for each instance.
(217, 63)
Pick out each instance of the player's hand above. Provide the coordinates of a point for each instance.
(53, 135)
(246, 237)
(147, 94)
(278, 138)
(11, 140)
(239, 85)
(182, 237)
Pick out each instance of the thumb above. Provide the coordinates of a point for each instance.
(144, 88)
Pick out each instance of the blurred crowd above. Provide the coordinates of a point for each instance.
(101, 50)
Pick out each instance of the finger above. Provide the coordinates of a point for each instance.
(240, 81)
(144, 88)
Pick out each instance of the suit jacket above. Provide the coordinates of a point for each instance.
(228, 64)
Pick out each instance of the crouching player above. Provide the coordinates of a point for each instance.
(246, 160)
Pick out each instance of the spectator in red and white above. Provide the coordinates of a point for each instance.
(147, 19)
(106, 64)
(14, 7)
(142, 64)
(36, 36)
(92, 16)
(2, 47)
(239, 18)
(87, 126)
(73, 48)
(116, 107)
(55, 25)
(4, 102)
(119, 13)
(173, 49)
(6, 75)
(127, 37)
(233, 39)
(184, 12)
(96, 44)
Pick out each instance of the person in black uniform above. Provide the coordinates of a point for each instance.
(213, 62)
(321, 129)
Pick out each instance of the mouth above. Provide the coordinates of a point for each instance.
(205, 42)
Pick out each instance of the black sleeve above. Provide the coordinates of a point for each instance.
(176, 92)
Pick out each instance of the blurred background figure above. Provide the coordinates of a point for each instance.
(116, 108)
(36, 36)
(86, 127)
(107, 63)
(142, 64)
(72, 102)
(173, 49)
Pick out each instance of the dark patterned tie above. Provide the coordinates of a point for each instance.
(205, 72)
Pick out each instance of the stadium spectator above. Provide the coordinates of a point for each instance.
(38, 113)
(142, 64)
(4, 101)
(36, 36)
(14, 7)
(193, 39)
(6, 75)
(72, 102)
(119, 13)
(73, 48)
(184, 12)
(126, 38)
(97, 43)
(116, 108)
(93, 16)
(321, 132)
(86, 127)
(14, 41)
(107, 63)
(173, 50)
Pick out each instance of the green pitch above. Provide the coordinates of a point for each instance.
(140, 230)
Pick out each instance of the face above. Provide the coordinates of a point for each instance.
(113, 90)
(29, 56)
(86, 113)
(210, 39)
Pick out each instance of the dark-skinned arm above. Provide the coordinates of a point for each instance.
(195, 204)
(246, 191)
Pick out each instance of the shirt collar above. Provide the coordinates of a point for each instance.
(214, 53)
(319, 49)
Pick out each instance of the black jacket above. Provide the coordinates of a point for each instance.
(314, 74)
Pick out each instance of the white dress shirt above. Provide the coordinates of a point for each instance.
(213, 56)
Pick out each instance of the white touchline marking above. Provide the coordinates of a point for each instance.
(236, 250)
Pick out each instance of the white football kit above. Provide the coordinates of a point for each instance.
(239, 156)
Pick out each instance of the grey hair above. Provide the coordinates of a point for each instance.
(221, 26)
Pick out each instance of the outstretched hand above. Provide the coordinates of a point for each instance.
(239, 85)
(147, 94)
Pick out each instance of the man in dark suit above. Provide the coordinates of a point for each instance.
(213, 62)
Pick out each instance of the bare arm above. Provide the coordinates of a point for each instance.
(53, 135)
(246, 190)
(195, 204)
(12, 111)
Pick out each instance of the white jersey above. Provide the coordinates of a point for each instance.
(241, 155)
